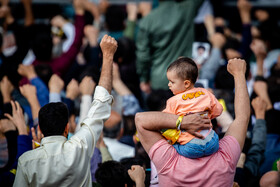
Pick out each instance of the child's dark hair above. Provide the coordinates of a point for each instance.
(185, 68)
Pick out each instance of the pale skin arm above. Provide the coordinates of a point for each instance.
(148, 125)
(118, 84)
(238, 128)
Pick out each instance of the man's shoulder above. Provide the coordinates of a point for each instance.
(31, 155)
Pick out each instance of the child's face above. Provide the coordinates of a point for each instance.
(176, 85)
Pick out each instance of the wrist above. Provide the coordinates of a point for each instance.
(31, 76)
(22, 130)
(108, 56)
(260, 115)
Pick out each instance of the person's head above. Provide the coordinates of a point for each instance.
(182, 75)
(200, 50)
(271, 178)
(111, 173)
(53, 119)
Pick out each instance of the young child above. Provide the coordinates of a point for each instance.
(182, 75)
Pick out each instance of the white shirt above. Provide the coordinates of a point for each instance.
(59, 162)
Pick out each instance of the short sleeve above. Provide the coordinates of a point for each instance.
(216, 107)
(170, 106)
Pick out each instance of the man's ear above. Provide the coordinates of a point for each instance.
(187, 84)
(66, 130)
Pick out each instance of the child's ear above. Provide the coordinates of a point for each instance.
(187, 83)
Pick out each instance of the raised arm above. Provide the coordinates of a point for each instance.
(238, 128)
(100, 110)
(109, 47)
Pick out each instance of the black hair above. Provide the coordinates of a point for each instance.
(115, 17)
(53, 118)
(201, 47)
(111, 173)
(185, 68)
(156, 100)
(44, 71)
(126, 51)
(42, 46)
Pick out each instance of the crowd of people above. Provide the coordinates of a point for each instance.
(149, 93)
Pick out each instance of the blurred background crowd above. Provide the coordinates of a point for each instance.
(50, 53)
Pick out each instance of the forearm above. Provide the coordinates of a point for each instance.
(238, 128)
(105, 154)
(260, 62)
(245, 17)
(121, 88)
(155, 121)
(106, 73)
(6, 97)
(35, 106)
(84, 108)
(29, 18)
(241, 101)
(256, 151)
(211, 66)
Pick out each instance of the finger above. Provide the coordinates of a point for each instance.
(13, 107)
(200, 136)
(34, 134)
(33, 144)
(9, 116)
(18, 107)
(39, 134)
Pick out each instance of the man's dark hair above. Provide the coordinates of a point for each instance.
(111, 173)
(42, 46)
(201, 47)
(53, 118)
(185, 68)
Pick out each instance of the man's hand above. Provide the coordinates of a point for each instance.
(58, 21)
(259, 106)
(236, 67)
(144, 8)
(132, 11)
(87, 86)
(145, 87)
(108, 46)
(91, 34)
(56, 84)
(28, 91)
(18, 118)
(218, 40)
(6, 125)
(72, 90)
(27, 71)
(37, 137)
(195, 122)
(137, 174)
